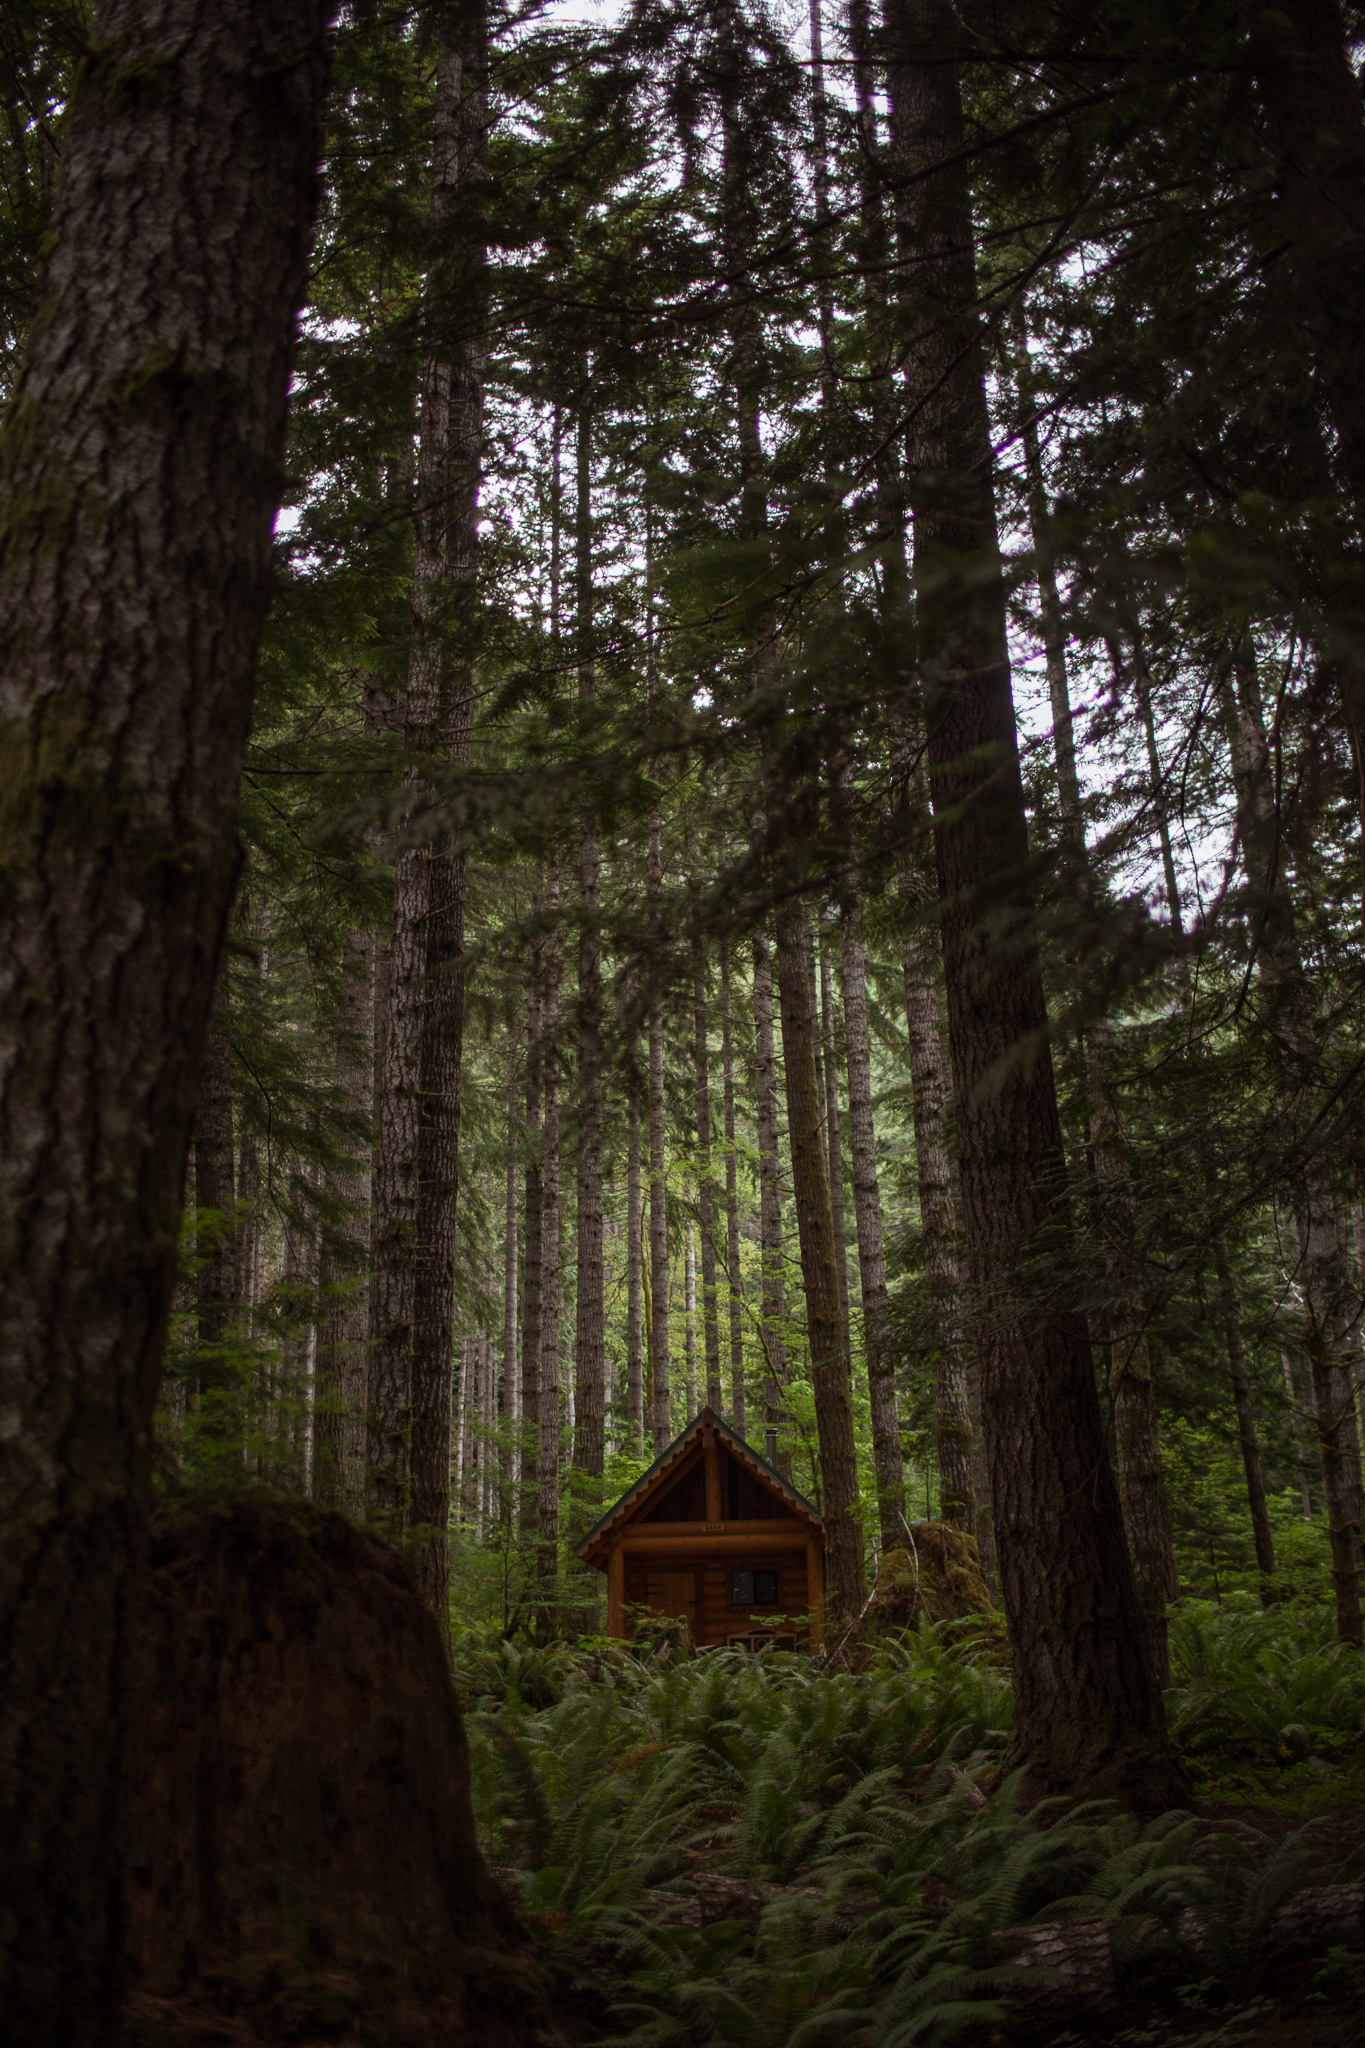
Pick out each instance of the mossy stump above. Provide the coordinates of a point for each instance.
(303, 1864)
(937, 1577)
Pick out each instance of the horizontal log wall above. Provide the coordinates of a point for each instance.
(715, 1618)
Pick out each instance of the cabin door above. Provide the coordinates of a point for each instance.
(674, 1594)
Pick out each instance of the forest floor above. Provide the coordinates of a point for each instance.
(721, 1852)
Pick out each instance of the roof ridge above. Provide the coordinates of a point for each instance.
(704, 1417)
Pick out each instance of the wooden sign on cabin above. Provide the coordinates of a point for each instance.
(712, 1534)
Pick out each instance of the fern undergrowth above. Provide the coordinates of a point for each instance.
(725, 1851)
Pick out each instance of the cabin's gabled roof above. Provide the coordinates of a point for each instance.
(664, 1470)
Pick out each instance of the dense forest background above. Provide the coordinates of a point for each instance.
(596, 421)
(736, 779)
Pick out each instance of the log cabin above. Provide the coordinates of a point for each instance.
(712, 1534)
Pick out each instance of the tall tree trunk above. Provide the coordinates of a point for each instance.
(846, 1584)
(547, 1469)
(773, 1333)
(292, 1465)
(635, 1373)
(690, 1324)
(534, 1234)
(1088, 1707)
(732, 1291)
(339, 1404)
(590, 1352)
(938, 1219)
(252, 917)
(1261, 1534)
(153, 397)
(706, 1195)
(1136, 1430)
(1328, 1312)
(834, 1141)
(215, 1194)
(660, 1419)
(419, 1113)
(862, 1137)
(1297, 1418)
(1142, 1484)
(509, 1410)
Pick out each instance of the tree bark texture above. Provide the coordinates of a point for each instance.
(769, 1190)
(509, 1412)
(834, 1140)
(1137, 1438)
(412, 1299)
(862, 1137)
(1261, 1533)
(283, 1656)
(590, 1353)
(734, 1298)
(635, 1367)
(845, 1576)
(340, 1375)
(140, 472)
(706, 1194)
(215, 1188)
(1324, 1284)
(690, 1325)
(1298, 1418)
(547, 1469)
(937, 1217)
(1088, 1708)
(660, 1419)
(533, 1235)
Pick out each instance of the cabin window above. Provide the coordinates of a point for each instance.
(753, 1589)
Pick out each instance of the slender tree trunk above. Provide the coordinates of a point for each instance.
(1136, 1430)
(1329, 1363)
(1261, 1534)
(732, 1289)
(1353, 1241)
(547, 1469)
(690, 1323)
(1088, 1707)
(339, 1404)
(658, 1194)
(1322, 1274)
(846, 1585)
(635, 1375)
(153, 397)
(769, 1195)
(1297, 1417)
(834, 1145)
(590, 1354)
(862, 1136)
(938, 1221)
(706, 1197)
(488, 1421)
(215, 1193)
(1142, 1486)
(509, 1412)
(534, 1234)
(252, 917)
(419, 1122)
